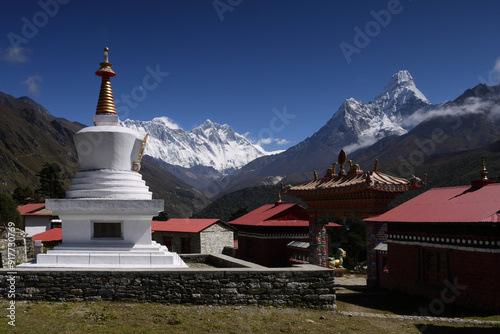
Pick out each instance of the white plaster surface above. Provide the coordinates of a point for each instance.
(102, 147)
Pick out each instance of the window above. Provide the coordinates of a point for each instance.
(434, 266)
(107, 230)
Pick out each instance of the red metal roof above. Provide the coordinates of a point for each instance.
(183, 225)
(32, 209)
(451, 204)
(278, 214)
(54, 234)
(333, 225)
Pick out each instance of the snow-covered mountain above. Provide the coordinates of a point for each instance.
(209, 145)
(382, 117)
(355, 124)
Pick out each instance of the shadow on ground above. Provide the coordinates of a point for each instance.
(397, 303)
(431, 329)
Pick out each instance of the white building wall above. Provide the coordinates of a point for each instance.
(36, 224)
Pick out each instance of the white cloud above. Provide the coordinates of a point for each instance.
(32, 83)
(16, 54)
(168, 122)
(268, 141)
(495, 72)
(471, 105)
(360, 144)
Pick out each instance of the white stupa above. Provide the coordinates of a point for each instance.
(106, 216)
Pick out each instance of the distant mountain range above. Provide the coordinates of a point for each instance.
(30, 136)
(400, 127)
(392, 127)
(198, 156)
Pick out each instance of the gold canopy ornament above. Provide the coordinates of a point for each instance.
(106, 103)
(136, 166)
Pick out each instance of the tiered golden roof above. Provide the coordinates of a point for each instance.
(106, 103)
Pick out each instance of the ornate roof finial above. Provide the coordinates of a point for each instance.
(375, 166)
(484, 172)
(315, 175)
(342, 161)
(106, 103)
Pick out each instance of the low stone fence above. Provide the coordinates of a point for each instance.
(22, 251)
(303, 286)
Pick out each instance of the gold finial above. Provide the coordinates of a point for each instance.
(279, 197)
(375, 166)
(342, 161)
(106, 102)
(484, 172)
(315, 175)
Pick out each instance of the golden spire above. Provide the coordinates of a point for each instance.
(106, 103)
(375, 166)
(484, 172)
(342, 161)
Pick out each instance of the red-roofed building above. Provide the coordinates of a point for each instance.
(52, 235)
(264, 233)
(207, 236)
(37, 219)
(445, 244)
(352, 193)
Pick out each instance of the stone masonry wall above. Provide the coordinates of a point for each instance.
(215, 238)
(304, 287)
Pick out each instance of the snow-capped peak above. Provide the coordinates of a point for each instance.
(401, 85)
(357, 124)
(210, 144)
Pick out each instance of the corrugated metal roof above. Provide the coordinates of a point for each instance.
(54, 234)
(298, 244)
(184, 225)
(33, 209)
(451, 204)
(278, 214)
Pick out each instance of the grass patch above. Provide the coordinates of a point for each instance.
(127, 317)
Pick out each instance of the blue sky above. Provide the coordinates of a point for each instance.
(274, 70)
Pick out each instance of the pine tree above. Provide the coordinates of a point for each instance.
(51, 185)
(22, 195)
(8, 211)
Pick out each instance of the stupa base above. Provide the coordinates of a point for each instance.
(154, 256)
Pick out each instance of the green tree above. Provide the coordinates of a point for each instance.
(21, 195)
(51, 185)
(238, 213)
(162, 216)
(8, 211)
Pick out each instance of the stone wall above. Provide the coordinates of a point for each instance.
(22, 252)
(214, 238)
(304, 286)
